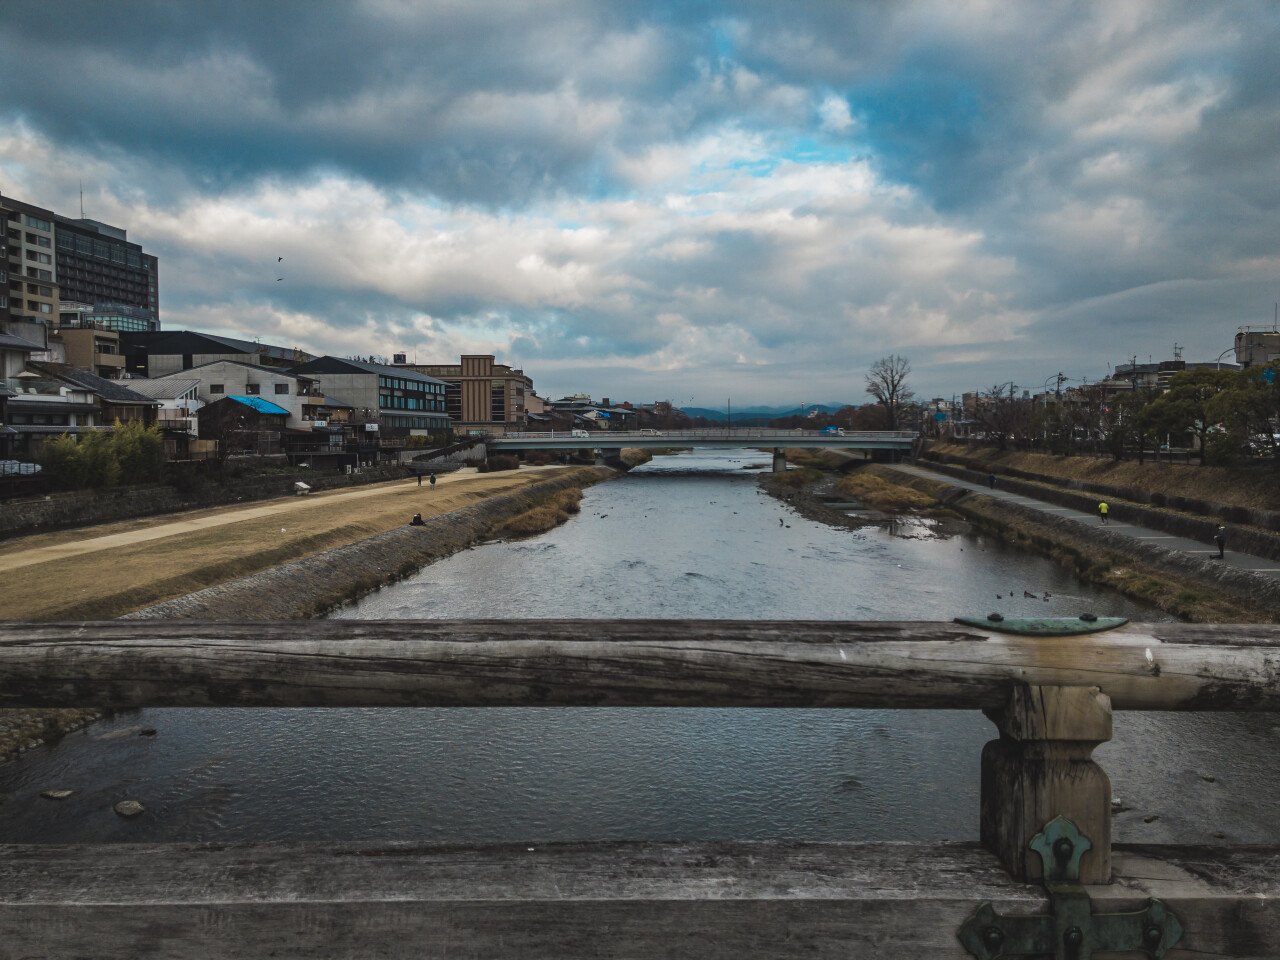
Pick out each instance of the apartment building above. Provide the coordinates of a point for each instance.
(402, 401)
(32, 280)
(51, 258)
(297, 394)
(481, 396)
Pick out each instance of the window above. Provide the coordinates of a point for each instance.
(217, 388)
(36, 223)
(253, 389)
(282, 388)
(39, 257)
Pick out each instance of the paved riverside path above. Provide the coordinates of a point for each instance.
(1166, 541)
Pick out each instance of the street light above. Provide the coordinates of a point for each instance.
(1218, 362)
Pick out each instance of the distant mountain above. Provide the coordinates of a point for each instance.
(761, 413)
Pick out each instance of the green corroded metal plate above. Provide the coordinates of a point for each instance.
(1044, 626)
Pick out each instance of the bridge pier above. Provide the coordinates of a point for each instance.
(779, 460)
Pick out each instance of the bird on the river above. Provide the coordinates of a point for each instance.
(278, 259)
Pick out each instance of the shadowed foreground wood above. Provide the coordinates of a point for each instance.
(562, 901)
(708, 663)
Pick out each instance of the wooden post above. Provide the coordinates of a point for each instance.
(1041, 768)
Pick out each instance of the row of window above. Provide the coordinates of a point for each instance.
(37, 240)
(416, 423)
(251, 389)
(41, 419)
(102, 249)
(40, 289)
(37, 274)
(388, 402)
(39, 307)
(36, 223)
(417, 386)
(39, 257)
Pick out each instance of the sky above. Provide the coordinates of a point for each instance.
(691, 201)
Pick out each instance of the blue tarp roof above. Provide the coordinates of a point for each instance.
(262, 406)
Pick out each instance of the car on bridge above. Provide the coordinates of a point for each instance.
(650, 432)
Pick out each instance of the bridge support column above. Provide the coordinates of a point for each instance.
(779, 460)
(1041, 768)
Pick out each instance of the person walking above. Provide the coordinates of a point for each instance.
(991, 480)
(433, 480)
(1103, 510)
(419, 479)
(1220, 541)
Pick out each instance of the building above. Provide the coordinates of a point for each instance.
(179, 402)
(481, 396)
(91, 348)
(96, 264)
(400, 400)
(32, 272)
(158, 354)
(297, 394)
(243, 425)
(1257, 346)
(41, 404)
(51, 259)
(116, 402)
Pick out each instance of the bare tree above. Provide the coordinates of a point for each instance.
(887, 382)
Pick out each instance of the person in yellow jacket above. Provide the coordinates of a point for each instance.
(1103, 510)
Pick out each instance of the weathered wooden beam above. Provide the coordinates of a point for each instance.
(710, 663)
(700, 901)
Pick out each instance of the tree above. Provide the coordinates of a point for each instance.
(1185, 408)
(887, 382)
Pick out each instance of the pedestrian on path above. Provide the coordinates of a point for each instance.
(1103, 510)
(1220, 541)
(991, 480)
(419, 479)
(433, 480)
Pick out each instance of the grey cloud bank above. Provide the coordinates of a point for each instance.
(675, 200)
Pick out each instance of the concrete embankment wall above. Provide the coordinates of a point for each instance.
(1254, 593)
(81, 508)
(1247, 539)
(313, 585)
(1215, 511)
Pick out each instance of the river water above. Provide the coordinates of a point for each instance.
(683, 536)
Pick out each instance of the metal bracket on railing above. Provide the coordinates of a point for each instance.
(1071, 930)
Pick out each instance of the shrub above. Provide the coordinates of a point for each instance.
(131, 453)
(499, 461)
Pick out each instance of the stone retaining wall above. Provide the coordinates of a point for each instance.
(1241, 585)
(311, 586)
(1220, 512)
(1247, 539)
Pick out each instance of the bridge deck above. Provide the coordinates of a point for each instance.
(722, 439)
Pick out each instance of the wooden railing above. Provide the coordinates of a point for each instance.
(1050, 697)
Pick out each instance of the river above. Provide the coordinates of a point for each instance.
(687, 535)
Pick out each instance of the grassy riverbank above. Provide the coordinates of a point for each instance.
(1255, 488)
(1082, 550)
(125, 567)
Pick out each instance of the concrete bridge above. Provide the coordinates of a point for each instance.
(724, 438)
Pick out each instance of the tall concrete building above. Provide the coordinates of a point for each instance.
(481, 396)
(106, 281)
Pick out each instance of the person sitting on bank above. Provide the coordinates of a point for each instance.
(1103, 510)
(417, 521)
(1220, 541)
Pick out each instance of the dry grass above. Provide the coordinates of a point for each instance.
(1258, 489)
(883, 493)
(795, 479)
(555, 511)
(633, 456)
(108, 583)
(827, 460)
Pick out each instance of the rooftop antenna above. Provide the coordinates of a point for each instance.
(82, 198)
(1177, 350)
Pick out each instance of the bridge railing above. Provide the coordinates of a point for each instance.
(712, 433)
(1051, 698)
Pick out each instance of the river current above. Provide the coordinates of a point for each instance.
(687, 535)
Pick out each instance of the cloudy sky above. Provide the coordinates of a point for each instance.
(685, 200)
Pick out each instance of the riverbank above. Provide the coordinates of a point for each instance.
(360, 544)
(1192, 588)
